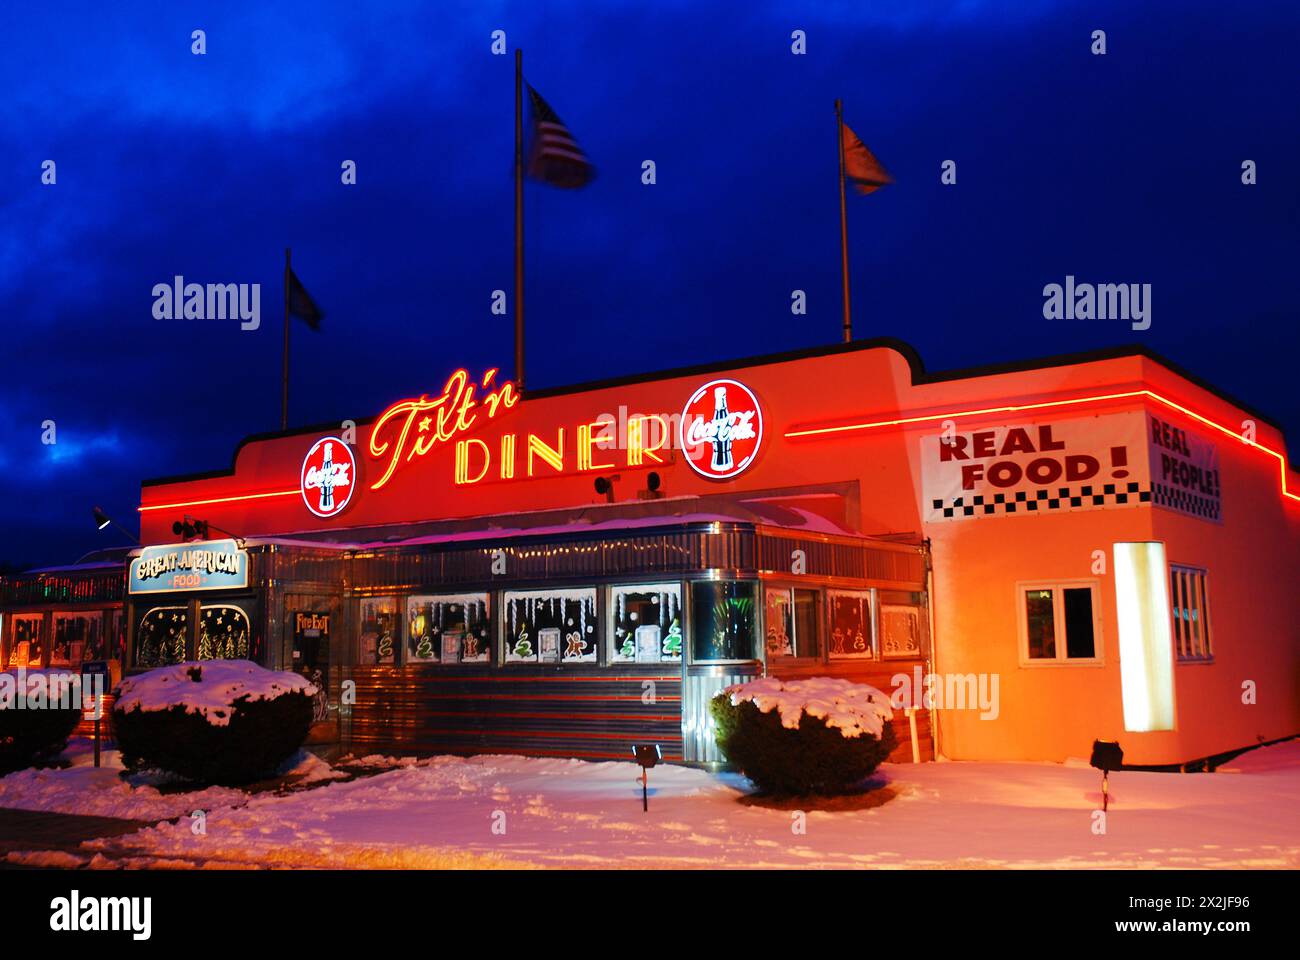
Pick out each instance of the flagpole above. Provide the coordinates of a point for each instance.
(844, 223)
(284, 379)
(519, 219)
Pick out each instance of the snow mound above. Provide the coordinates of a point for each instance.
(851, 708)
(209, 688)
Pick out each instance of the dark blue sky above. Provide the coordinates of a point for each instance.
(1122, 168)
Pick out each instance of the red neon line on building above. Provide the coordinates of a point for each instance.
(1017, 408)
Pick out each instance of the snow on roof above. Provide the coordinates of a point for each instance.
(209, 688)
(851, 708)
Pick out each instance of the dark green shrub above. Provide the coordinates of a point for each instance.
(260, 737)
(811, 758)
(32, 736)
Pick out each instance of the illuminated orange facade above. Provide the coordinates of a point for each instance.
(1092, 547)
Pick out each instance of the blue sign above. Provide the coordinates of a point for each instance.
(182, 567)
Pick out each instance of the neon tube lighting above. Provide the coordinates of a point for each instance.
(1016, 408)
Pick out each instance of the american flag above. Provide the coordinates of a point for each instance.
(555, 156)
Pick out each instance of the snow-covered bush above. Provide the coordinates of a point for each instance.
(820, 735)
(39, 729)
(216, 721)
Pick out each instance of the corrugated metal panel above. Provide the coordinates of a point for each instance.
(594, 715)
(699, 744)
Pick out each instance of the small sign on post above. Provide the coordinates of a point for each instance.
(648, 755)
(102, 670)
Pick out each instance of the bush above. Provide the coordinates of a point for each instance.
(810, 758)
(30, 736)
(260, 735)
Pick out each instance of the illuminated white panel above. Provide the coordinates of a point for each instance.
(1146, 657)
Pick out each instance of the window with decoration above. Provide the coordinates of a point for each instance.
(550, 626)
(27, 648)
(161, 637)
(449, 628)
(851, 625)
(790, 620)
(1187, 595)
(224, 632)
(645, 623)
(723, 620)
(77, 637)
(379, 631)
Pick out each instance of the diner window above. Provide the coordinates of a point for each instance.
(551, 626)
(723, 620)
(1188, 597)
(1059, 623)
(162, 637)
(448, 628)
(77, 637)
(790, 622)
(900, 630)
(27, 648)
(646, 623)
(851, 625)
(379, 631)
(224, 633)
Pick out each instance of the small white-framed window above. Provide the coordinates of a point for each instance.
(1060, 622)
(449, 628)
(645, 623)
(1189, 599)
(791, 626)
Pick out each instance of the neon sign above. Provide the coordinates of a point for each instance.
(328, 477)
(437, 421)
(722, 417)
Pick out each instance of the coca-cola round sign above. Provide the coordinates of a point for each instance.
(329, 475)
(721, 429)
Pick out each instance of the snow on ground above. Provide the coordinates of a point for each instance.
(510, 811)
(94, 791)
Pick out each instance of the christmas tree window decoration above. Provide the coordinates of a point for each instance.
(723, 620)
(224, 632)
(448, 628)
(852, 626)
(551, 626)
(379, 631)
(161, 637)
(26, 650)
(645, 623)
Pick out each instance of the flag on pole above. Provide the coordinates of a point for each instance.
(299, 302)
(861, 167)
(555, 157)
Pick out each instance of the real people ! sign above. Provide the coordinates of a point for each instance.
(1086, 463)
(1184, 471)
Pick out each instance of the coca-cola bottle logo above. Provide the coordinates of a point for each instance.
(328, 477)
(721, 429)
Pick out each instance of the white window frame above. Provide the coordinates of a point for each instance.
(1058, 588)
(1184, 652)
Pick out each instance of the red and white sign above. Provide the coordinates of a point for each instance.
(1083, 463)
(721, 429)
(329, 475)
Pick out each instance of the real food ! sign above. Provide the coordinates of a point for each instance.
(1086, 463)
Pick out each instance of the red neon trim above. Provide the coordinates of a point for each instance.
(1016, 408)
(204, 503)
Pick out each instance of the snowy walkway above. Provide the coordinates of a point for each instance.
(512, 811)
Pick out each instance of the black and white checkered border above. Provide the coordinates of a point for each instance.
(1175, 498)
(1042, 501)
